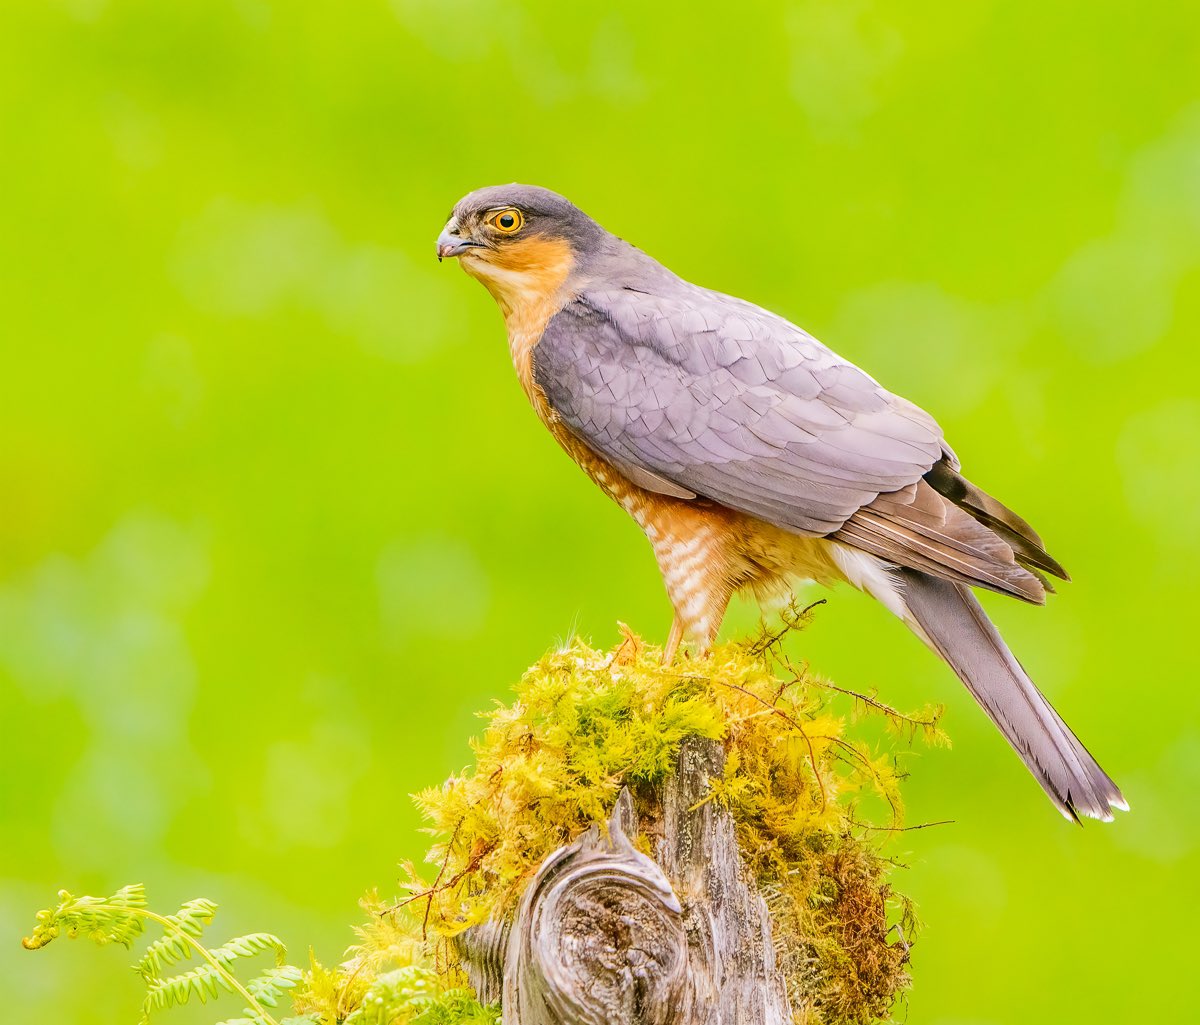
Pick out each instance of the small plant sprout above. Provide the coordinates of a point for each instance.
(122, 918)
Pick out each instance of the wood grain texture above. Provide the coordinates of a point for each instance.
(606, 935)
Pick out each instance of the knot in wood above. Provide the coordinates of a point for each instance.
(602, 939)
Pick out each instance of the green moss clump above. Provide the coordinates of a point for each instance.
(586, 722)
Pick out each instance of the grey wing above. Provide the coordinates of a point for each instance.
(693, 393)
(725, 400)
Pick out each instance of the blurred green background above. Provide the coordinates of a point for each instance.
(275, 519)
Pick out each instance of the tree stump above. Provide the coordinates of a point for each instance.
(608, 935)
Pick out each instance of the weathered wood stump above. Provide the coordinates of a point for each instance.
(608, 935)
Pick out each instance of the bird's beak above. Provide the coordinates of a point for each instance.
(450, 245)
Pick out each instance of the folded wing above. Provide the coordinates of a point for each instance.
(696, 393)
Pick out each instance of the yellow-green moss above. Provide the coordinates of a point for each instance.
(587, 722)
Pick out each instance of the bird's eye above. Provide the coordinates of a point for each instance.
(507, 221)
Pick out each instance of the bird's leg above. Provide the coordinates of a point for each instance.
(673, 640)
(691, 556)
(702, 632)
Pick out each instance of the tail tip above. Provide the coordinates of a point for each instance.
(1101, 811)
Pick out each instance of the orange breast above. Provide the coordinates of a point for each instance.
(704, 550)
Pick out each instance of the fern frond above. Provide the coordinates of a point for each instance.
(190, 920)
(115, 919)
(208, 979)
(204, 982)
(121, 917)
(268, 989)
(251, 944)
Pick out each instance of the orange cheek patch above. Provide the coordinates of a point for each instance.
(522, 271)
(546, 257)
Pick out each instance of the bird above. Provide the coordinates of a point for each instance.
(753, 457)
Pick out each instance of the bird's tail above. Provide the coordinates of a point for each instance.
(950, 620)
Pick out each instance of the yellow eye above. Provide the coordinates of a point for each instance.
(507, 221)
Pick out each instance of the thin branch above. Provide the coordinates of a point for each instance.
(903, 829)
(878, 705)
(793, 618)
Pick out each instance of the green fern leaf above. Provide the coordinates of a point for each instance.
(103, 920)
(268, 989)
(253, 943)
(208, 979)
(191, 919)
(204, 982)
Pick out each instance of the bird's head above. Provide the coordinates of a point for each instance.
(521, 241)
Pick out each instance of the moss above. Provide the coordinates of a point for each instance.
(418, 995)
(587, 722)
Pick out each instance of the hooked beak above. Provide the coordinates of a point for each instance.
(450, 245)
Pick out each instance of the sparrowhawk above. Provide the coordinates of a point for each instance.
(753, 456)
